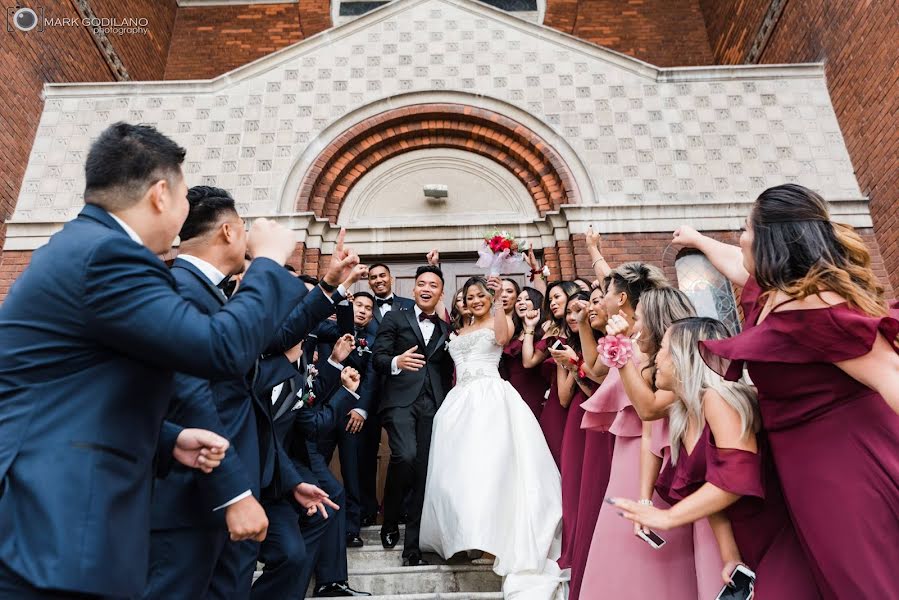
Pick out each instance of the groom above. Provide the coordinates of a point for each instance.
(410, 350)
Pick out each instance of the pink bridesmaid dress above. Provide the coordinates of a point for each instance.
(620, 565)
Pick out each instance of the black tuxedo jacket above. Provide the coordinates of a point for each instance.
(398, 332)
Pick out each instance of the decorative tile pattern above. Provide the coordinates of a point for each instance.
(642, 138)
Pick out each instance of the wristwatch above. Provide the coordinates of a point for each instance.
(327, 286)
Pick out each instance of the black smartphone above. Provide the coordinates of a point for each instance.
(743, 586)
(652, 538)
(557, 344)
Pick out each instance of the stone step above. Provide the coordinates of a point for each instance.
(372, 556)
(372, 535)
(426, 581)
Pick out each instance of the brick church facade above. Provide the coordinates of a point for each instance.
(633, 116)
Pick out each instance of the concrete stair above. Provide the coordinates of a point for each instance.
(379, 571)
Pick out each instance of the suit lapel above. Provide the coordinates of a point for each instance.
(218, 294)
(413, 321)
(440, 332)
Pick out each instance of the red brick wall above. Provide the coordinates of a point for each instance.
(30, 60)
(209, 41)
(857, 43)
(666, 33)
(732, 26)
(143, 55)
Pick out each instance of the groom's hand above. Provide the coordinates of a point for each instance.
(410, 360)
(200, 449)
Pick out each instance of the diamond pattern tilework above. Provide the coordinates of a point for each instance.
(640, 140)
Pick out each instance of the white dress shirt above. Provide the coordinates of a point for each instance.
(131, 233)
(385, 308)
(427, 330)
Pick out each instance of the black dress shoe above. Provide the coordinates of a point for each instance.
(354, 541)
(369, 520)
(390, 537)
(337, 590)
(414, 560)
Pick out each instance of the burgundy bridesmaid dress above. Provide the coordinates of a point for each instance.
(834, 441)
(573, 441)
(762, 528)
(529, 383)
(554, 415)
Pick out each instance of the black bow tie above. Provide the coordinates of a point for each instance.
(224, 282)
(382, 301)
(432, 318)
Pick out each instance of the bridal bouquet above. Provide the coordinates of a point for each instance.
(500, 251)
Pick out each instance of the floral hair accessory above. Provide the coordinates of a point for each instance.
(615, 350)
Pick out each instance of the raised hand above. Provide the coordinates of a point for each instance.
(617, 324)
(358, 272)
(200, 449)
(342, 262)
(593, 239)
(410, 360)
(579, 309)
(350, 378)
(495, 285)
(268, 239)
(532, 318)
(342, 347)
(533, 263)
(354, 425)
(246, 520)
(686, 237)
(313, 499)
(434, 258)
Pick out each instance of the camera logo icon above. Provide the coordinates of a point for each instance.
(24, 18)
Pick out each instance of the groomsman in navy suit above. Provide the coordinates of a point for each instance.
(381, 283)
(86, 372)
(192, 516)
(355, 320)
(305, 407)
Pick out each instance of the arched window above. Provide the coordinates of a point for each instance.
(709, 290)
(344, 11)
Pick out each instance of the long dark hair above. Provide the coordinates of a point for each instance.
(517, 323)
(457, 319)
(798, 250)
(569, 288)
(536, 299)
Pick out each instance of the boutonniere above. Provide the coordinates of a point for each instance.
(446, 346)
(311, 374)
(307, 399)
(362, 346)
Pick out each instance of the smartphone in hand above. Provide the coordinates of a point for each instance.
(652, 538)
(557, 345)
(742, 586)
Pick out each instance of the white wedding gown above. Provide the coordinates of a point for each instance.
(492, 483)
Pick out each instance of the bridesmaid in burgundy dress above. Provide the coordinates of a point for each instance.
(719, 464)
(573, 391)
(824, 355)
(529, 383)
(553, 417)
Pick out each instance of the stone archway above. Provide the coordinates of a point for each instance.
(367, 144)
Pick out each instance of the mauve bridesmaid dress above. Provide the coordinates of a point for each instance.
(572, 468)
(554, 415)
(529, 383)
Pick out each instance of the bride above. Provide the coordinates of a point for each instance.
(492, 484)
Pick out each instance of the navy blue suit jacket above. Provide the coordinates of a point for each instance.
(399, 303)
(329, 331)
(90, 337)
(187, 497)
